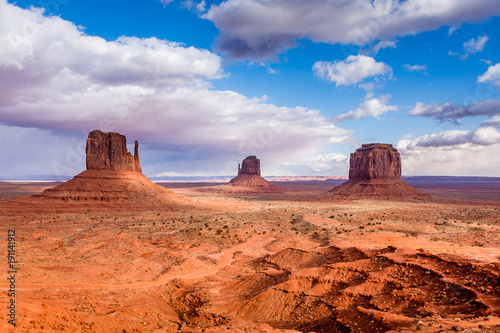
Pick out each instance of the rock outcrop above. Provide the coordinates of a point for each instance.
(249, 179)
(108, 151)
(113, 176)
(249, 166)
(375, 161)
(375, 172)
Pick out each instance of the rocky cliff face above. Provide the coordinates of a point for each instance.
(108, 151)
(375, 161)
(249, 166)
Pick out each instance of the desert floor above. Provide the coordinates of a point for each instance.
(301, 261)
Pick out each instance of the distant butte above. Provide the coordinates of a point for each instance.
(248, 181)
(375, 172)
(249, 178)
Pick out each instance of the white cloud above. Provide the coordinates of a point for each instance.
(352, 70)
(463, 160)
(380, 46)
(198, 7)
(165, 2)
(37, 49)
(54, 77)
(482, 136)
(492, 122)
(330, 162)
(452, 30)
(374, 107)
(449, 111)
(415, 68)
(263, 28)
(476, 45)
(492, 75)
(457, 153)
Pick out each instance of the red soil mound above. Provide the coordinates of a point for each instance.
(350, 290)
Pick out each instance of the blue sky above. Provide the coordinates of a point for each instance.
(203, 84)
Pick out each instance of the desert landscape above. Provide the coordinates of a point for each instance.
(110, 251)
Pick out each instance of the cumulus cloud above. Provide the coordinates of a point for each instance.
(54, 77)
(492, 75)
(415, 68)
(263, 28)
(352, 70)
(37, 49)
(454, 112)
(373, 107)
(476, 45)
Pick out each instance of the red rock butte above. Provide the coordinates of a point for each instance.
(108, 151)
(375, 172)
(113, 179)
(249, 178)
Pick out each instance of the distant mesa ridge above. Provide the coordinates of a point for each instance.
(375, 172)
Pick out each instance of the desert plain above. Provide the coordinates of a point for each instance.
(298, 261)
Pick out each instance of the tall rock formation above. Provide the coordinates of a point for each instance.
(249, 179)
(249, 166)
(375, 161)
(113, 176)
(108, 151)
(375, 172)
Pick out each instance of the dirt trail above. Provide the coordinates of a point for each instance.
(225, 259)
